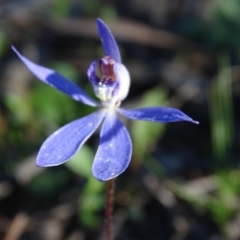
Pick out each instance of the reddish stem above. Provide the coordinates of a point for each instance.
(109, 209)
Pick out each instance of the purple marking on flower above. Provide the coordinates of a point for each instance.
(110, 80)
(104, 77)
(106, 69)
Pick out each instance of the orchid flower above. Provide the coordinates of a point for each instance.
(111, 81)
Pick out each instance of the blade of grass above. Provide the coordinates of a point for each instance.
(221, 110)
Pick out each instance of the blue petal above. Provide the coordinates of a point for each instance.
(108, 41)
(66, 141)
(114, 151)
(156, 114)
(57, 81)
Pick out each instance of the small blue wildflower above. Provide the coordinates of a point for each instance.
(110, 80)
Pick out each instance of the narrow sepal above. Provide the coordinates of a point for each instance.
(115, 150)
(57, 81)
(157, 114)
(66, 141)
(108, 41)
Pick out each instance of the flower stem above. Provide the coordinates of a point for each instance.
(109, 209)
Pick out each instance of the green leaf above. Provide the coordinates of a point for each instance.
(20, 107)
(221, 109)
(60, 8)
(53, 105)
(108, 12)
(91, 202)
(3, 42)
(67, 70)
(48, 183)
(81, 162)
(145, 134)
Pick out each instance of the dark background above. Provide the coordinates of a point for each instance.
(183, 182)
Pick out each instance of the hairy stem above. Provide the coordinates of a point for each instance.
(109, 209)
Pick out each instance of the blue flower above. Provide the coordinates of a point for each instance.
(110, 80)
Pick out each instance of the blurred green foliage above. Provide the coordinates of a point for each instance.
(221, 110)
(3, 42)
(145, 134)
(60, 8)
(92, 199)
(26, 121)
(81, 163)
(221, 201)
(48, 184)
(92, 202)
